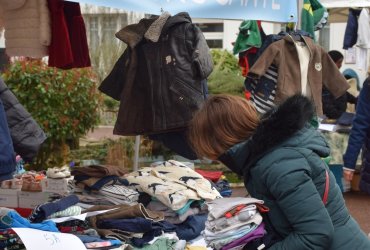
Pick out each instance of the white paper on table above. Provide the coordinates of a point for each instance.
(34, 239)
(89, 214)
(327, 127)
(79, 217)
(68, 218)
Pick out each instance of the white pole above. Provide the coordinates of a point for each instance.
(299, 13)
(136, 155)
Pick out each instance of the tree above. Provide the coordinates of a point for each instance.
(63, 102)
(226, 76)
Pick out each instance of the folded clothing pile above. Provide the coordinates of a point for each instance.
(218, 180)
(10, 240)
(233, 222)
(59, 208)
(173, 183)
(140, 226)
(119, 194)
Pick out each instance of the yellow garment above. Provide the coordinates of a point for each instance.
(195, 248)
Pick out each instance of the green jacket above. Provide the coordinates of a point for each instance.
(281, 164)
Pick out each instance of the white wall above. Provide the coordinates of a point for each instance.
(271, 28)
(231, 29)
(337, 31)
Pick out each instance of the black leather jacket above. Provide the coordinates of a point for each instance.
(159, 83)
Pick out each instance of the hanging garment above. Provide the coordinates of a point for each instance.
(363, 39)
(304, 59)
(249, 56)
(269, 39)
(60, 51)
(178, 141)
(314, 16)
(247, 59)
(363, 32)
(26, 134)
(159, 83)
(249, 36)
(350, 35)
(7, 155)
(321, 70)
(27, 27)
(263, 90)
(77, 35)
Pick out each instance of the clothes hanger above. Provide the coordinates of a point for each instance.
(295, 35)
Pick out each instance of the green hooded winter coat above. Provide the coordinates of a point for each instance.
(282, 165)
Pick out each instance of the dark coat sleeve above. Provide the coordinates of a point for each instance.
(351, 98)
(360, 127)
(268, 57)
(333, 108)
(350, 35)
(332, 78)
(113, 84)
(7, 155)
(26, 134)
(202, 59)
(292, 188)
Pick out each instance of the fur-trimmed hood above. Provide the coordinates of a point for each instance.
(284, 126)
(150, 28)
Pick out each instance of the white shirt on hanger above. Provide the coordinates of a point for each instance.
(304, 59)
(363, 39)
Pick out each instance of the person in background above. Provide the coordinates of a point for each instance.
(334, 108)
(360, 138)
(280, 158)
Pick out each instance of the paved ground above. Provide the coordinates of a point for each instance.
(101, 132)
(357, 203)
(359, 206)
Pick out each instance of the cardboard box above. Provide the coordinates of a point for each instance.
(59, 186)
(9, 198)
(32, 199)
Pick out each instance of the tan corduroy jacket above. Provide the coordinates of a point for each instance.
(322, 71)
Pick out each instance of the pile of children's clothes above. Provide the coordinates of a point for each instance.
(218, 179)
(165, 209)
(234, 222)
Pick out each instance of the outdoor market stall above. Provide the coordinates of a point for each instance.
(164, 205)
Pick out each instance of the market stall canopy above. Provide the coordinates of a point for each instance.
(338, 9)
(266, 10)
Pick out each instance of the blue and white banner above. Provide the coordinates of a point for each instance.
(266, 10)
